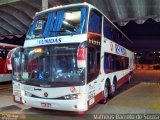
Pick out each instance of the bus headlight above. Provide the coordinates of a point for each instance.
(74, 96)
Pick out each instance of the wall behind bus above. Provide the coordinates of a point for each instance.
(146, 40)
(145, 36)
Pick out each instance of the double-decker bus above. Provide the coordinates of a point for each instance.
(5, 74)
(72, 58)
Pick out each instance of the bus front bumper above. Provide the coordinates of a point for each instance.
(66, 105)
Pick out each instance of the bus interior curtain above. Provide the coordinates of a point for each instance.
(50, 22)
(33, 26)
(83, 15)
(58, 22)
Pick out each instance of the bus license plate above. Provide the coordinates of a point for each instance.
(46, 105)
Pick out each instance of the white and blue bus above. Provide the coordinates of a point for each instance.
(73, 57)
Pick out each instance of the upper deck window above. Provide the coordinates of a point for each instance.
(68, 21)
(95, 22)
(107, 29)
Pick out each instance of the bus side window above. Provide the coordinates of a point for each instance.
(98, 62)
(2, 54)
(113, 63)
(95, 22)
(106, 63)
(126, 62)
(114, 35)
(93, 64)
(107, 29)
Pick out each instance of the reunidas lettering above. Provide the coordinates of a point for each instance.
(50, 41)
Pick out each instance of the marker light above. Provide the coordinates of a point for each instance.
(38, 50)
(85, 3)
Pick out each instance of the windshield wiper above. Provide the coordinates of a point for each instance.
(68, 83)
(62, 82)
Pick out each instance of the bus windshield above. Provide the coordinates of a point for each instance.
(52, 65)
(68, 21)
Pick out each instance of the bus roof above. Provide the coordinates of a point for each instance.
(82, 4)
(64, 6)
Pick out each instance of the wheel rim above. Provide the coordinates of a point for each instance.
(113, 87)
(106, 92)
(129, 78)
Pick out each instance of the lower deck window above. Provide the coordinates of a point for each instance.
(113, 63)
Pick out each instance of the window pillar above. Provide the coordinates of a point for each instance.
(44, 4)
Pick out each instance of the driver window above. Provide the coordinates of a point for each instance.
(93, 63)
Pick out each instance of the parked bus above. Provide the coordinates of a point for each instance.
(72, 58)
(5, 74)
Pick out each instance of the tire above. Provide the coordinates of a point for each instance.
(106, 94)
(129, 78)
(114, 88)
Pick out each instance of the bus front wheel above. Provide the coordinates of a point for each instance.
(106, 93)
(114, 88)
(129, 78)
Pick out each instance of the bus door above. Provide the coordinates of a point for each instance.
(93, 62)
(93, 70)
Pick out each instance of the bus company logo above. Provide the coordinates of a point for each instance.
(45, 94)
(73, 89)
(120, 50)
(49, 41)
